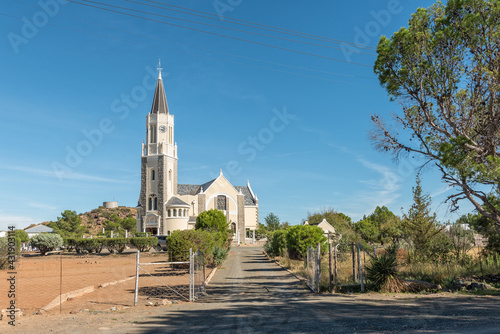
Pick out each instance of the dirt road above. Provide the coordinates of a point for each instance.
(251, 294)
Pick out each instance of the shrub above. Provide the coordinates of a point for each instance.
(143, 244)
(382, 272)
(88, 245)
(69, 244)
(179, 243)
(277, 244)
(300, 237)
(116, 244)
(142, 234)
(46, 242)
(220, 255)
(5, 243)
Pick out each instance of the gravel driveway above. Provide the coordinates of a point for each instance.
(251, 294)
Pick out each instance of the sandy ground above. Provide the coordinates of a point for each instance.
(39, 281)
(251, 294)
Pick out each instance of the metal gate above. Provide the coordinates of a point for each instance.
(176, 280)
(313, 268)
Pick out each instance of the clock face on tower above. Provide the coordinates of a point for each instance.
(163, 128)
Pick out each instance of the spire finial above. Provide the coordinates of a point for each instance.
(159, 68)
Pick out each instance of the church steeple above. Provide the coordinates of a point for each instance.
(160, 105)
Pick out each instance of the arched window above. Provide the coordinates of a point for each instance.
(221, 202)
(155, 203)
(150, 203)
(175, 212)
(152, 174)
(169, 212)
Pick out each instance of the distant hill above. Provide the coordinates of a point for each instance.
(95, 219)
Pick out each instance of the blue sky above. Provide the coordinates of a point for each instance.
(77, 84)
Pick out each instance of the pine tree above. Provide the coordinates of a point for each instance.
(420, 224)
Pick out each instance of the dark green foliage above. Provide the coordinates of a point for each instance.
(179, 243)
(89, 245)
(22, 235)
(118, 225)
(46, 242)
(143, 244)
(68, 225)
(211, 220)
(444, 70)
(300, 237)
(116, 244)
(276, 246)
(382, 273)
(421, 226)
(380, 227)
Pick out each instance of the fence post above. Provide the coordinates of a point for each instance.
(318, 267)
(360, 270)
(330, 273)
(353, 262)
(136, 293)
(191, 274)
(335, 263)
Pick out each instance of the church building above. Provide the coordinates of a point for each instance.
(166, 205)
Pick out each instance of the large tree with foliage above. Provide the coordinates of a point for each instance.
(444, 70)
(68, 225)
(381, 226)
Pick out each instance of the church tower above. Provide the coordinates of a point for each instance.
(158, 165)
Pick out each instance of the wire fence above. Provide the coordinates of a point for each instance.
(313, 268)
(68, 282)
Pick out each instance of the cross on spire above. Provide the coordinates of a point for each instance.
(159, 68)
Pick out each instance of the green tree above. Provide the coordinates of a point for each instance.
(129, 223)
(212, 220)
(22, 235)
(444, 70)
(68, 225)
(300, 237)
(272, 222)
(485, 227)
(381, 226)
(420, 224)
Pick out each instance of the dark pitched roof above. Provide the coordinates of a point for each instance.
(188, 189)
(193, 189)
(249, 200)
(176, 201)
(160, 100)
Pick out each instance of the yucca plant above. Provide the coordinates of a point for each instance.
(382, 272)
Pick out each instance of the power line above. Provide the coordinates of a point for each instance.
(217, 34)
(266, 27)
(191, 46)
(218, 26)
(258, 26)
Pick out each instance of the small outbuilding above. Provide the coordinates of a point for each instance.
(38, 229)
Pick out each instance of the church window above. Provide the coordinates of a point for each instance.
(175, 212)
(155, 203)
(221, 202)
(152, 134)
(152, 174)
(169, 212)
(150, 204)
